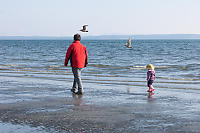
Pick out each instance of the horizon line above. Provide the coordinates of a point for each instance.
(97, 35)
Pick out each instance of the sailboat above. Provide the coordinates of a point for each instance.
(128, 44)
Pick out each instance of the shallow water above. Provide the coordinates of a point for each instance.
(106, 109)
(12, 128)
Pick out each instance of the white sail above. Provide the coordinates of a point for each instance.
(128, 44)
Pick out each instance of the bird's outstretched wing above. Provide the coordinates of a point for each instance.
(84, 27)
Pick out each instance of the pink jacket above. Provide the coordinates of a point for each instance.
(151, 75)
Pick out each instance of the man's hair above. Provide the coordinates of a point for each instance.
(77, 37)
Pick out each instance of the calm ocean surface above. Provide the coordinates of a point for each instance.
(40, 62)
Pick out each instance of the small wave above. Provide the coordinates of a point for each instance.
(173, 68)
(52, 60)
(100, 65)
(162, 67)
(138, 67)
(4, 68)
(144, 67)
(54, 66)
(24, 68)
(180, 79)
(10, 65)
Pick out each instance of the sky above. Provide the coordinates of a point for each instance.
(104, 17)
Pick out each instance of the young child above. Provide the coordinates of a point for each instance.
(150, 77)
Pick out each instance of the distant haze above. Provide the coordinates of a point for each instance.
(105, 37)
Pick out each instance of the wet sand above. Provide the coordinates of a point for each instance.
(107, 110)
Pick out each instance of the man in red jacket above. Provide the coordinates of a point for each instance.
(78, 56)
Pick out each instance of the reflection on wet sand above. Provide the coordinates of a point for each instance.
(77, 99)
(150, 95)
(109, 109)
(128, 89)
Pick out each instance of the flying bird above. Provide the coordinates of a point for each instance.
(84, 28)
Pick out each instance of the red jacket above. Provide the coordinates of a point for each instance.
(77, 53)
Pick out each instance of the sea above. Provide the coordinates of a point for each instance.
(177, 62)
(40, 64)
(32, 70)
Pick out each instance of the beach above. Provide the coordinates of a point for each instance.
(128, 111)
(35, 87)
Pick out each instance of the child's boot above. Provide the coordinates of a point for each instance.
(149, 90)
(152, 89)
